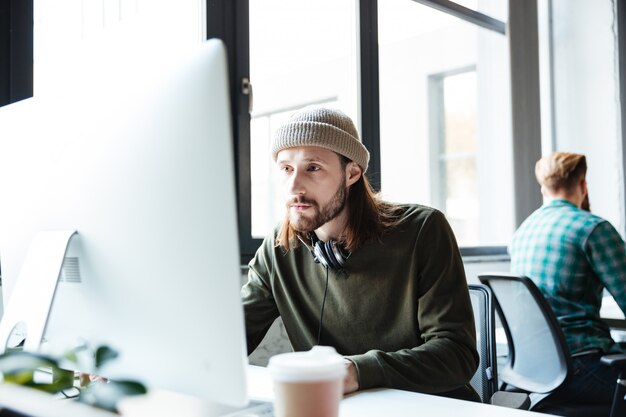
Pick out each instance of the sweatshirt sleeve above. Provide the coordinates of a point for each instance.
(260, 309)
(447, 359)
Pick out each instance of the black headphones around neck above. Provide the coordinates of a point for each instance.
(330, 254)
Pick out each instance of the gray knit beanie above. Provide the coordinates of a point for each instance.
(326, 128)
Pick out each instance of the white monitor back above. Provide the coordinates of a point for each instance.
(135, 154)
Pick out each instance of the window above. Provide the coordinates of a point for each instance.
(301, 53)
(384, 63)
(444, 124)
(86, 24)
(441, 84)
(493, 8)
(452, 137)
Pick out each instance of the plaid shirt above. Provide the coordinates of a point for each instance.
(572, 255)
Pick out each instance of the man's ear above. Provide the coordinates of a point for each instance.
(353, 173)
(583, 186)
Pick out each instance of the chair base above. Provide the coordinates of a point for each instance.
(573, 410)
(518, 400)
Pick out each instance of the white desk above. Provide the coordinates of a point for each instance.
(371, 403)
(610, 309)
(391, 402)
(614, 317)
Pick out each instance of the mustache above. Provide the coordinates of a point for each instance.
(301, 200)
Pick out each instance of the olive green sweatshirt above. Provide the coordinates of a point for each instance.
(400, 310)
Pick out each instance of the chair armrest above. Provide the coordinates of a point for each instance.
(617, 361)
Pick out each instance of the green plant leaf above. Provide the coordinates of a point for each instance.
(71, 356)
(63, 377)
(104, 354)
(23, 377)
(20, 367)
(18, 361)
(107, 394)
(52, 388)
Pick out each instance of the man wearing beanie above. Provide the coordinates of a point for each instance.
(382, 283)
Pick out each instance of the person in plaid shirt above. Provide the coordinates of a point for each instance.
(572, 256)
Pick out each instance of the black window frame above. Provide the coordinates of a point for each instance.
(16, 50)
(229, 20)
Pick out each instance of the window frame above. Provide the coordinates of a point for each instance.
(229, 20)
(437, 132)
(368, 100)
(16, 50)
(621, 46)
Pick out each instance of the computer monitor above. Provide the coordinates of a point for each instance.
(135, 153)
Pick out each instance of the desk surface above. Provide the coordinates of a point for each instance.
(390, 402)
(612, 314)
(374, 403)
(610, 309)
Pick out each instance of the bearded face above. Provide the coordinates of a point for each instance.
(315, 184)
(306, 214)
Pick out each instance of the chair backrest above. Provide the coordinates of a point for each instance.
(485, 379)
(538, 359)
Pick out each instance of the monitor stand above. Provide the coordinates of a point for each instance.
(26, 316)
(29, 304)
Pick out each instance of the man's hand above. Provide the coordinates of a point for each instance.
(351, 381)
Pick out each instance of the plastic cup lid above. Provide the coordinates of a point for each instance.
(318, 364)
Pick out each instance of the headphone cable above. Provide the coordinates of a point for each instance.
(319, 331)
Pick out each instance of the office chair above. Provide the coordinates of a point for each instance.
(539, 361)
(485, 380)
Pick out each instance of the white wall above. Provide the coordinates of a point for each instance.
(586, 94)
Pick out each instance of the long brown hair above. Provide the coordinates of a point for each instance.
(368, 217)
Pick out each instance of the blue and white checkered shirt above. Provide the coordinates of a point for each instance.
(572, 255)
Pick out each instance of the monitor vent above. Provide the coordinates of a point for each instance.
(70, 271)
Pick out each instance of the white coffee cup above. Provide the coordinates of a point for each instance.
(308, 384)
